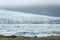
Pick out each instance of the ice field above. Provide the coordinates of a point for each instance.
(30, 29)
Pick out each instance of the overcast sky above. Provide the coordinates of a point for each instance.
(28, 2)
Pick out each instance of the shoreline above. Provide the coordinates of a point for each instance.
(29, 38)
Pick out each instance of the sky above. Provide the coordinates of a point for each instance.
(28, 2)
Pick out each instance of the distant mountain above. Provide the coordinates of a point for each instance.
(49, 10)
(10, 17)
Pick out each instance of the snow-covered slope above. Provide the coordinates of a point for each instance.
(10, 17)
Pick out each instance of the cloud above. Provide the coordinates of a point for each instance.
(28, 2)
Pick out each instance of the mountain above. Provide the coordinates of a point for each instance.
(49, 10)
(11, 17)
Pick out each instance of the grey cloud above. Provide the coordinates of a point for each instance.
(28, 2)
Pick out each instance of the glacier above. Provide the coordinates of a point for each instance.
(30, 30)
(27, 24)
(11, 17)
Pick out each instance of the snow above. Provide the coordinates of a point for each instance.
(10, 17)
